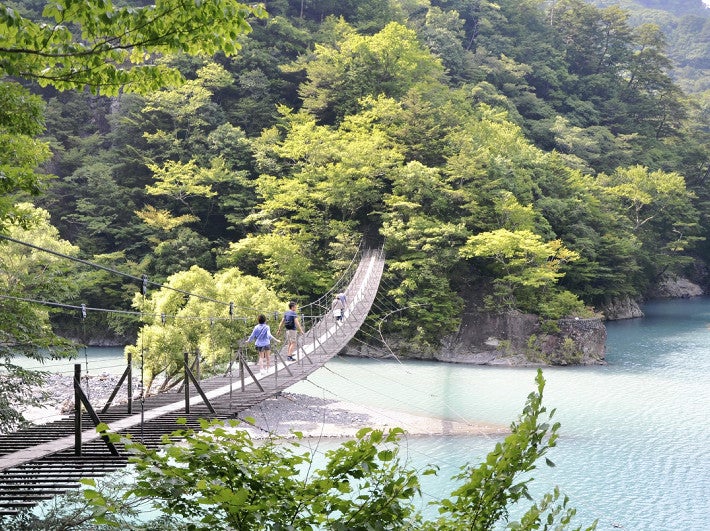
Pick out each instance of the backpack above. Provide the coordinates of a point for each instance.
(290, 322)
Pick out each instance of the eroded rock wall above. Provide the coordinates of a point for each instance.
(621, 308)
(675, 287)
(513, 339)
(522, 339)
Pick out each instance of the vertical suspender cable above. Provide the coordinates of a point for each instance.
(86, 356)
(144, 290)
(212, 343)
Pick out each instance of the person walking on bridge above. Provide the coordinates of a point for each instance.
(291, 325)
(339, 307)
(262, 340)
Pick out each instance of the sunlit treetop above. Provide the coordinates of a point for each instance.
(92, 43)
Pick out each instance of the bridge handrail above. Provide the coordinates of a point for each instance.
(344, 280)
(359, 290)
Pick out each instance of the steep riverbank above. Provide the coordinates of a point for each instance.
(505, 339)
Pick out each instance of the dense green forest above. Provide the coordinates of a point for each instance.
(546, 156)
(519, 155)
(686, 27)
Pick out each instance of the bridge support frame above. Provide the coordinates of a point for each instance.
(79, 399)
(190, 376)
(127, 374)
(244, 365)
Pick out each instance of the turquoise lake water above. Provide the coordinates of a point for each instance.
(634, 447)
(97, 360)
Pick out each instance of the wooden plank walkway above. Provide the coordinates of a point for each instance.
(40, 462)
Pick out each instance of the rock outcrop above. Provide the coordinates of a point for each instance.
(522, 339)
(669, 286)
(621, 308)
(675, 287)
(513, 339)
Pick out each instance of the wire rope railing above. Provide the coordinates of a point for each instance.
(220, 396)
(319, 330)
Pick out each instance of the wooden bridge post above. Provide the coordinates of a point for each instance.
(230, 371)
(128, 373)
(276, 367)
(79, 399)
(77, 411)
(244, 367)
(189, 376)
(187, 384)
(242, 362)
(314, 327)
(129, 388)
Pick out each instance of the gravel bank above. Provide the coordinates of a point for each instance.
(282, 415)
(61, 395)
(318, 417)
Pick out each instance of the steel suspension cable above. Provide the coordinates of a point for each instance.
(145, 282)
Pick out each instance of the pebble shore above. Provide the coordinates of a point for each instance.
(281, 416)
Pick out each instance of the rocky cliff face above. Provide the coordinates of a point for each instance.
(621, 308)
(522, 339)
(674, 287)
(669, 286)
(513, 339)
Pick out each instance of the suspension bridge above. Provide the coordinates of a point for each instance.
(43, 461)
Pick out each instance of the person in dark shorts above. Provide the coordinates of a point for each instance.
(339, 307)
(291, 325)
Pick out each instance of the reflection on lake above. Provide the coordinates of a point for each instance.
(634, 450)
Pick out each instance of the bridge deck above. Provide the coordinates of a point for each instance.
(40, 462)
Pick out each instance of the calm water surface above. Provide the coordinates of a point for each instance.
(634, 450)
(97, 360)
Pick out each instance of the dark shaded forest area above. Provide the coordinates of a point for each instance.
(549, 156)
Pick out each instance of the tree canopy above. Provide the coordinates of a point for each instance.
(28, 274)
(425, 126)
(107, 48)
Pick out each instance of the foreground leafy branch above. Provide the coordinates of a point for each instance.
(489, 490)
(97, 45)
(219, 478)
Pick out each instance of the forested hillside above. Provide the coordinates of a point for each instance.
(542, 154)
(686, 26)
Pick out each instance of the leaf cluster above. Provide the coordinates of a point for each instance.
(219, 478)
(107, 48)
